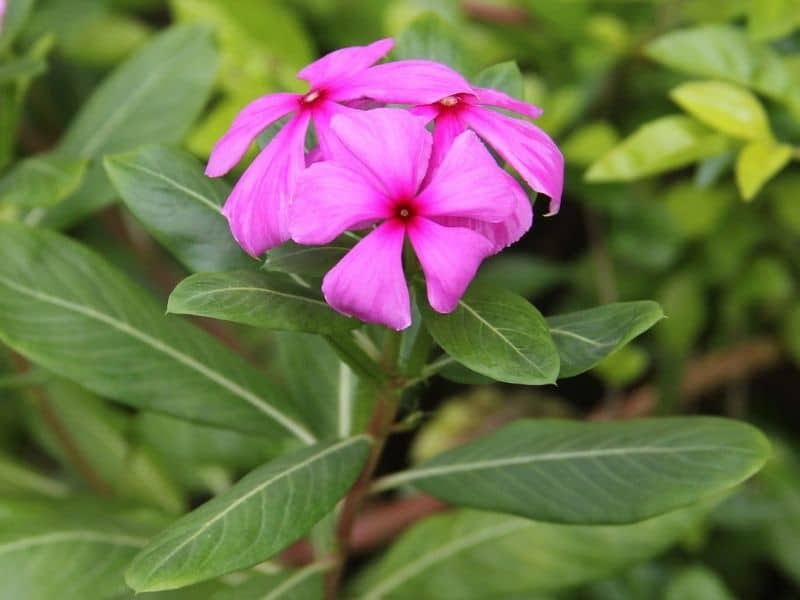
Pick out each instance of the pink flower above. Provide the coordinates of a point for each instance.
(375, 175)
(522, 145)
(258, 206)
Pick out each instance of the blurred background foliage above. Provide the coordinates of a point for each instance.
(680, 123)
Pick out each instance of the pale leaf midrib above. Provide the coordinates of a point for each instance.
(572, 334)
(287, 423)
(424, 473)
(72, 535)
(499, 334)
(257, 489)
(296, 580)
(414, 568)
(264, 290)
(188, 191)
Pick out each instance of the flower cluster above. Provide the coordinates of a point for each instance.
(382, 169)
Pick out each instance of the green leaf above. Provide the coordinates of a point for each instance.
(301, 584)
(498, 334)
(65, 308)
(757, 163)
(168, 192)
(90, 544)
(268, 300)
(683, 297)
(333, 400)
(431, 38)
(42, 180)
(593, 473)
(586, 337)
(698, 211)
(468, 555)
(660, 145)
(154, 96)
(697, 583)
(263, 513)
(312, 261)
(725, 52)
(504, 76)
(770, 19)
(726, 107)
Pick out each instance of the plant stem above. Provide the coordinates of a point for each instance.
(387, 401)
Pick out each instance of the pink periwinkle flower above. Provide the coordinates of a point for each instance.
(375, 174)
(258, 206)
(528, 149)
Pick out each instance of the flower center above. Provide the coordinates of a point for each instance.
(311, 97)
(404, 211)
(449, 101)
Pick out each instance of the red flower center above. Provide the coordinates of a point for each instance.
(312, 98)
(404, 210)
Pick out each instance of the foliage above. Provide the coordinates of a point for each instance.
(181, 419)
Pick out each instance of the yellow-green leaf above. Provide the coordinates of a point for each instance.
(726, 107)
(757, 163)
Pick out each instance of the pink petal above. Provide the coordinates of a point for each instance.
(448, 126)
(331, 198)
(506, 232)
(525, 147)
(406, 82)
(252, 120)
(468, 183)
(258, 207)
(328, 71)
(503, 100)
(368, 283)
(450, 257)
(389, 145)
(323, 116)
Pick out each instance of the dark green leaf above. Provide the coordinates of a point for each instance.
(593, 473)
(586, 337)
(313, 261)
(469, 555)
(23, 67)
(16, 13)
(67, 309)
(498, 334)
(168, 192)
(262, 514)
(268, 300)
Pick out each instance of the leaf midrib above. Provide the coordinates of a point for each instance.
(424, 473)
(257, 489)
(502, 337)
(414, 568)
(257, 402)
(72, 535)
(255, 289)
(176, 184)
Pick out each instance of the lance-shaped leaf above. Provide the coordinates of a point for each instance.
(65, 308)
(154, 96)
(593, 473)
(757, 163)
(586, 337)
(498, 334)
(68, 549)
(179, 206)
(259, 516)
(470, 555)
(269, 300)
